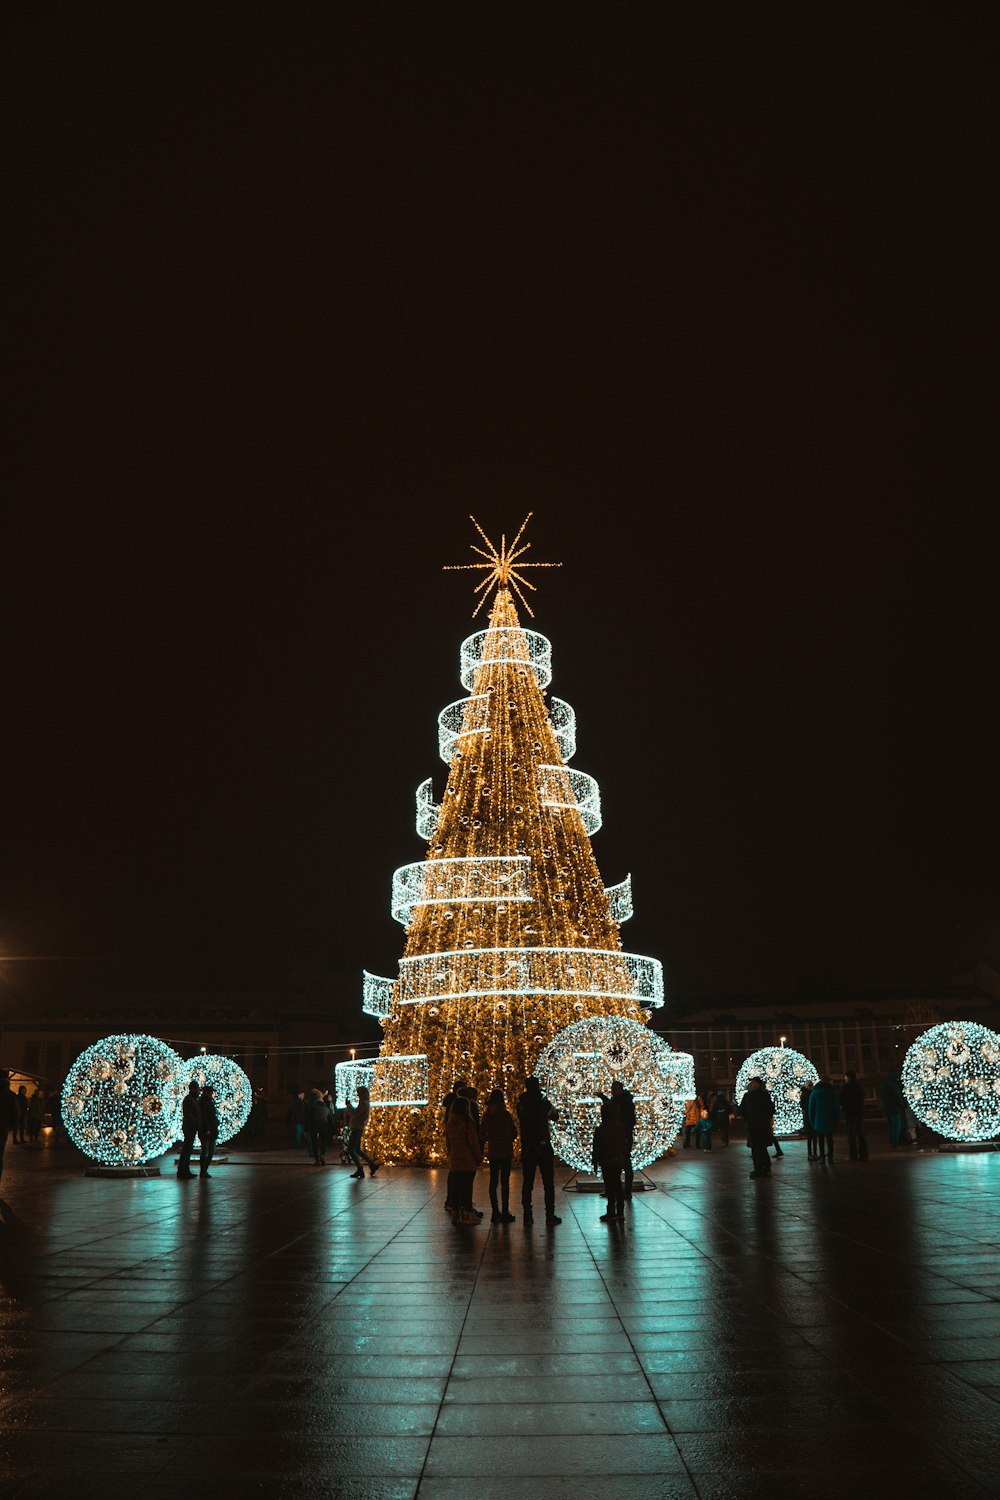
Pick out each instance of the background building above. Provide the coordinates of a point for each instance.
(867, 1032)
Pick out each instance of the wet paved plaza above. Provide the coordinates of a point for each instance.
(282, 1329)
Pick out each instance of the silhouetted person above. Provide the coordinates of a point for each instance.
(472, 1095)
(625, 1104)
(190, 1124)
(498, 1132)
(60, 1136)
(692, 1117)
(318, 1125)
(812, 1149)
(609, 1150)
(464, 1155)
(891, 1094)
(451, 1191)
(22, 1114)
(359, 1119)
(36, 1114)
(720, 1115)
(208, 1128)
(258, 1115)
(824, 1112)
(9, 1113)
(452, 1095)
(852, 1102)
(757, 1109)
(300, 1119)
(533, 1115)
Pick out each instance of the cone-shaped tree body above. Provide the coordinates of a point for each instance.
(488, 977)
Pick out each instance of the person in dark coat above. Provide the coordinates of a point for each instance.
(451, 1191)
(812, 1146)
(824, 1112)
(59, 1136)
(9, 1113)
(894, 1104)
(498, 1132)
(472, 1095)
(720, 1116)
(300, 1119)
(852, 1102)
(465, 1152)
(22, 1115)
(609, 1151)
(757, 1109)
(452, 1095)
(258, 1115)
(625, 1105)
(359, 1119)
(190, 1123)
(36, 1114)
(208, 1128)
(318, 1123)
(534, 1112)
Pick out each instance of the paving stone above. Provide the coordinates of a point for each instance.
(282, 1334)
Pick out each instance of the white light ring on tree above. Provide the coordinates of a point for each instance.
(463, 973)
(487, 879)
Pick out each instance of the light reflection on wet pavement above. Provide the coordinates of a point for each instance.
(281, 1329)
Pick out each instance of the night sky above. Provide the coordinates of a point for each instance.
(711, 290)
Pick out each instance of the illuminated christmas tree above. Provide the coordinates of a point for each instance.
(511, 933)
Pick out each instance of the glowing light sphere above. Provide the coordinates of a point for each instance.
(584, 1059)
(122, 1098)
(233, 1091)
(951, 1080)
(785, 1073)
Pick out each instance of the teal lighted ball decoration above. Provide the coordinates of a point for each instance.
(785, 1073)
(951, 1080)
(233, 1090)
(584, 1059)
(121, 1102)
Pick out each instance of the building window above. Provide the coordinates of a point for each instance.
(30, 1056)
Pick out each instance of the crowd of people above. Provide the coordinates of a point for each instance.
(472, 1137)
(318, 1126)
(822, 1108)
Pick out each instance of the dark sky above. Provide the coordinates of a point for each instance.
(710, 289)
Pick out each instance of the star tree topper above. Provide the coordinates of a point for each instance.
(499, 566)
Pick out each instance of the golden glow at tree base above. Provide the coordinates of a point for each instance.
(785, 1073)
(511, 935)
(951, 1080)
(584, 1060)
